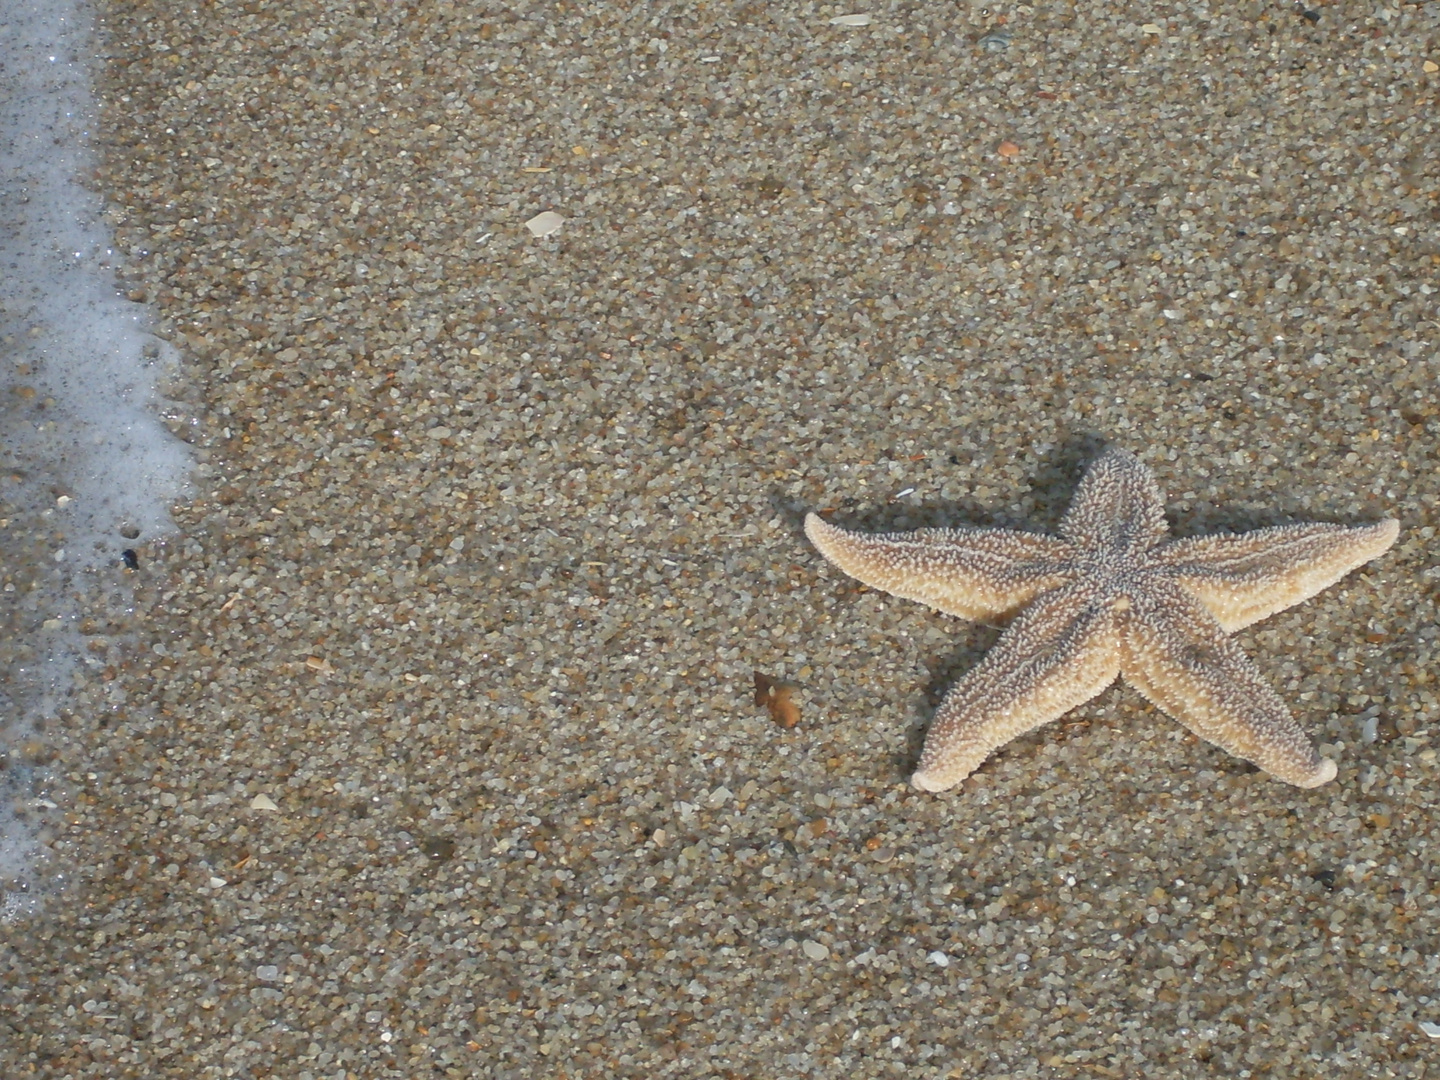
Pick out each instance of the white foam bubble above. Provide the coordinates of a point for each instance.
(86, 467)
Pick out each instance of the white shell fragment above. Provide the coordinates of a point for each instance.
(1431, 1030)
(1370, 730)
(543, 224)
(263, 802)
(850, 20)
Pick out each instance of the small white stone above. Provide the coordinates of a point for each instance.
(850, 20)
(263, 802)
(543, 224)
(939, 959)
(814, 950)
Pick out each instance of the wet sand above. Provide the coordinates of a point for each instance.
(436, 751)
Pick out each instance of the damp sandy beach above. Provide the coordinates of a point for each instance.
(433, 748)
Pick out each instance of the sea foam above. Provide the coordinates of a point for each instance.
(87, 470)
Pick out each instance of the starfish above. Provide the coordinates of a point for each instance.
(1110, 596)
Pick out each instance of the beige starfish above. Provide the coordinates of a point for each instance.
(1108, 597)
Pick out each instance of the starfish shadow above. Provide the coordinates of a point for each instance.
(1204, 518)
(1051, 486)
(945, 669)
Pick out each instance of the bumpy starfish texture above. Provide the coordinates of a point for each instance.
(1110, 597)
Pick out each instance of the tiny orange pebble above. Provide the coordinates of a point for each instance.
(1008, 149)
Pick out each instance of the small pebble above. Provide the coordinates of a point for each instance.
(814, 950)
(545, 223)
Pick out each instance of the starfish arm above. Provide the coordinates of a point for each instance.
(1242, 579)
(1118, 506)
(1176, 654)
(974, 573)
(1058, 653)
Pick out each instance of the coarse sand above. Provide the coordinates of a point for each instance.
(432, 746)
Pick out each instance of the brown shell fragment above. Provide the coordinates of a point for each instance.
(774, 695)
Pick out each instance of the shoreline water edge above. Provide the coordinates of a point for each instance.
(89, 469)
